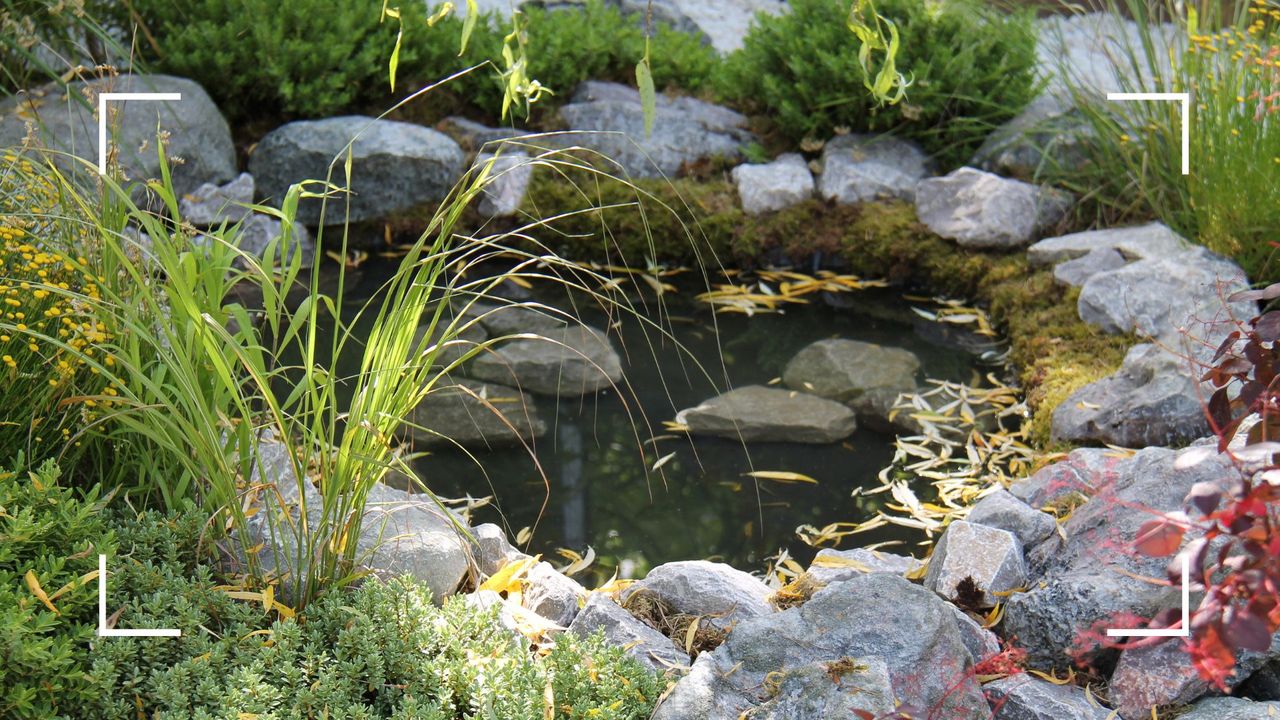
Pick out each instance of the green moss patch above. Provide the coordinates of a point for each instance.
(686, 221)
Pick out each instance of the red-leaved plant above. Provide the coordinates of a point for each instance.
(1234, 551)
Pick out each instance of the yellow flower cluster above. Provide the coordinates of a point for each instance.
(49, 334)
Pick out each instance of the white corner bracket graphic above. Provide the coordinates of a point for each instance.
(1185, 99)
(103, 99)
(1183, 629)
(103, 630)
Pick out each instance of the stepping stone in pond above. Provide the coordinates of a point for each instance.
(472, 413)
(866, 377)
(573, 360)
(761, 414)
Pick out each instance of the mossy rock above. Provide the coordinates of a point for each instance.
(700, 221)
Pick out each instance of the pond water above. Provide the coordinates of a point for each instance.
(592, 484)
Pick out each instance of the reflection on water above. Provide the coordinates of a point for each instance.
(596, 459)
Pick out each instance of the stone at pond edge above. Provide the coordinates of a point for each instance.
(1152, 240)
(698, 587)
(766, 187)
(551, 594)
(471, 413)
(492, 551)
(395, 165)
(210, 204)
(830, 566)
(197, 131)
(861, 168)
(981, 210)
(991, 558)
(1151, 400)
(1002, 510)
(866, 377)
(1077, 272)
(762, 414)
(508, 180)
(872, 619)
(1025, 697)
(575, 360)
(822, 691)
(622, 629)
(724, 23)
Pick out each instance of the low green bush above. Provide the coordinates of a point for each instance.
(970, 65)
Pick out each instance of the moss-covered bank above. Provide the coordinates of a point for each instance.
(688, 220)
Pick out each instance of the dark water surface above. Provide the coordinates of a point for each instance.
(595, 461)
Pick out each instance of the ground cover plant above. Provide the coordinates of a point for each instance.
(1228, 62)
(969, 67)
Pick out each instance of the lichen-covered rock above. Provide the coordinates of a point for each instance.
(990, 558)
(981, 210)
(210, 205)
(196, 130)
(572, 361)
(846, 628)
(552, 595)
(721, 593)
(866, 377)
(1082, 473)
(1025, 697)
(724, 23)
(1152, 400)
(861, 168)
(766, 187)
(607, 118)
(1002, 510)
(831, 566)
(1075, 273)
(621, 628)
(471, 413)
(395, 165)
(507, 182)
(763, 414)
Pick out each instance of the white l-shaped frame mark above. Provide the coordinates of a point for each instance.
(103, 99)
(103, 630)
(1185, 99)
(1184, 628)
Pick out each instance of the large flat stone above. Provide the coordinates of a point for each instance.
(762, 414)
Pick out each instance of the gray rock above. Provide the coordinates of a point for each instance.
(519, 318)
(551, 594)
(573, 361)
(1081, 474)
(1159, 296)
(607, 118)
(197, 132)
(475, 136)
(830, 566)
(1153, 240)
(454, 336)
(1162, 675)
(210, 205)
(811, 693)
(508, 182)
(491, 551)
(1229, 708)
(1152, 400)
(470, 413)
(767, 187)
(844, 627)
(1264, 683)
(762, 414)
(1047, 133)
(725, 595)
(859, 168)
(256, 232)
(864, 376)
(979, 641)
(1003, 511)
(724, 23)
(620, 628)
(1094, 578)
(395, 165)
(1025, 697)
(981, 210)
(1075, 272)
(400, 533)
(991, 558)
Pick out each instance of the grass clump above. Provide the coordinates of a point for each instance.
(970, 66)
(1134, 158)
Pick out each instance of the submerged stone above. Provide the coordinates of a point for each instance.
(762, 414)
(575, 360)
(471, 413)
